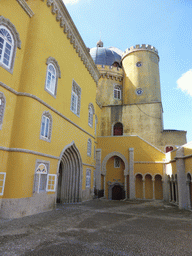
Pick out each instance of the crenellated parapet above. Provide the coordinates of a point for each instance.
(138, 47)
(111, 72)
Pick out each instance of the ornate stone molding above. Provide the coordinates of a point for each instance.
(62, 16)
(104, 170)
(26, 7)
(54, 61)
(111, 72)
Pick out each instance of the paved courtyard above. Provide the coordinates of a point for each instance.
(100, 227)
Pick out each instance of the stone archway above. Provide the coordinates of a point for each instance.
(116, 191)
(70, 175)
(158, 187)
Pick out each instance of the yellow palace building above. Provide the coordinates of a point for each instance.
(78, 123)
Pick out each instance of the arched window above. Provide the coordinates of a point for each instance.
(2, 108)
(53, 72)
(46, 127)
(168, 149)
(117, 92)
(91, 113)
(118, 129)
(6, 46)
(89, 145)
(9, 41)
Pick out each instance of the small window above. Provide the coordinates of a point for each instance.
(168, 149)
(89, 145)
(96, 122)
(88, 178)
(117, 162)
(118, 129)
(75, 98)
(2, 182)
(91, 113)
(2, 108)
(117, 92)
(41, 178)
(51, 79)
(46, 126)
(53, 72)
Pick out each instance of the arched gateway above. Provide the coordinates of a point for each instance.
(69, 175)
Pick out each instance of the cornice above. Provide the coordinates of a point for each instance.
(62, 16)
(26, 7)
(111, 72)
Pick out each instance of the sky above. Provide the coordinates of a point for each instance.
(164, 24)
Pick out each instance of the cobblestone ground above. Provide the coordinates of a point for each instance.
(100, 227)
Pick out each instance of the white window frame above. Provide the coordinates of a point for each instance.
(116, 158)
(51, 182)
(89, 147)
(75, 94)
(117, 92)
(74, 102)
(90, 117)
(38, 176)
(51, 78)
(88, 178)
(3, 183)
(16, 43)
(48, 118)
(4, 47)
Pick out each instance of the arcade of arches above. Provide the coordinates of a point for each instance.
(148, 188)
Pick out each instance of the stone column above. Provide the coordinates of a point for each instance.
(143, 187)
(125, 186)
(176, 191)
(188, 192)
(165, 184)
(153, 180)
(131, 174)
(181, 177)
(98, 170)
(104, 186)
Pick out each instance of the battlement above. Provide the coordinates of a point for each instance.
(111, 72)
(138, 47)
(110, 68)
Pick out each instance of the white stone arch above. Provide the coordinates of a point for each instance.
(152, 176)
(104, 170)
(139, 174)
(156, 175)
(71, 162)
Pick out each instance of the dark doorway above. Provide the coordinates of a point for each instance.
(117, 193)
(59, 184)
(118, 129)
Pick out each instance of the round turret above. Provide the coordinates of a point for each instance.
(141, 80)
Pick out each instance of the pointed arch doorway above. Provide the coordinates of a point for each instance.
(69, 175)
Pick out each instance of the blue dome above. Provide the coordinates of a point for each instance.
(106, 56)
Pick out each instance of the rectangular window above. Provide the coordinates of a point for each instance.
(88, 178)
(74, 102)
(2, 182)
(117, 93)
(117, 162)
(41, 174)
(75, 98)
(51, 182)
(45, 127)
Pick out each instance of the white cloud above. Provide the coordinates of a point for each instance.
(70, 1)
(185, 82)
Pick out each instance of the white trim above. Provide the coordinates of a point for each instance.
(45, 104)
(50, 184)
(3, 186)
(26, 7)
